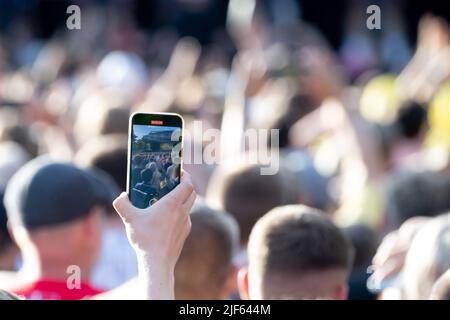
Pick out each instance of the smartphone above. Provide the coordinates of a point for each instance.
(154, 156)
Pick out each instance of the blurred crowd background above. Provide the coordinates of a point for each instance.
(364, 120)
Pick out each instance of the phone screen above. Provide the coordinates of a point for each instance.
(155, 157)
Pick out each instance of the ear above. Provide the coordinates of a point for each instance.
(243, 284)
(231, 283)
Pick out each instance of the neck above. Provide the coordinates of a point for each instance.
(36, 266)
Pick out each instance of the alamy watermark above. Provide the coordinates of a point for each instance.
(209, 146)
(73, 22)
(73, 281)
(374, 19)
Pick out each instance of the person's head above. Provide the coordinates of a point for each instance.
(172, 171)
(205, 269)
(312, 185)
(298, 106)
(152, 166)
(106, 112)
(247, 195)
(441, 289)
(411, 120)
(54, 214)
(412, 194)
(107, 153)
(427, 258)
(130, 76)
(13, 129)
(296, 252)
(147, 175)
(138, 160)
(364, 241)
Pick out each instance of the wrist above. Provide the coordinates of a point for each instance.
(156, 276)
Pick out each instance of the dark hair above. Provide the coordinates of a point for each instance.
(412, 194)
(365, 243)
(299, 105)
(411, 119)
(147, 174)
(247, 195)
(115, 121)
(13, 129)
(107, 153)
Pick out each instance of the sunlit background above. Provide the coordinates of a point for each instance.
(364, 115)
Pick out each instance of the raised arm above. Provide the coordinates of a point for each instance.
(157, 235)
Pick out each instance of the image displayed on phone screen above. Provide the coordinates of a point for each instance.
(154, 172)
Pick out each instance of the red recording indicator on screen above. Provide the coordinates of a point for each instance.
(156, 122)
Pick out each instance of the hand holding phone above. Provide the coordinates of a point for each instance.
(158, 251)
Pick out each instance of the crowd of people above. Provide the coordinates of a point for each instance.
(153, 175)
(360, 205)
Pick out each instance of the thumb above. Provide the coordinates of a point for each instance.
(124, 207)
